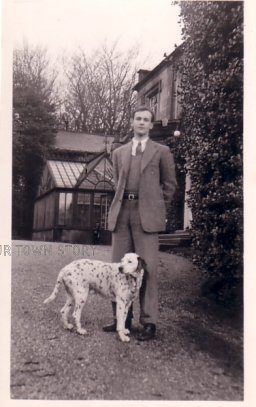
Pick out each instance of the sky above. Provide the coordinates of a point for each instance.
(65, 25)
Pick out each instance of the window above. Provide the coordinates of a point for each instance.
(176, 94)
(154, 103)
(65, 208)
(152, 99)
(83, 210)
(83, 199)
(101, 208)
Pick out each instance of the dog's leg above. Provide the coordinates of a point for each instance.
(65, 312)
(121, 314)
(80, 300)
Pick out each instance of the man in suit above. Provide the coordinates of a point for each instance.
(144, 175)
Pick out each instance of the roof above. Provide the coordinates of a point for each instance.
(73, 141)
(65, 173)
(106, 167)
(165, 62)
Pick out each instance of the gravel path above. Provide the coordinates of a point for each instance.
(197, 355)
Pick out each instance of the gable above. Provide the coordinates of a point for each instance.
(99, 176)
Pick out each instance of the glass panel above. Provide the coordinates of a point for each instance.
(83, 199)
(101, 207)
(62, 200)
(153, 103)
(104, 212)
(63, 174)
(96, 211)
(69, 209)
(83, 210)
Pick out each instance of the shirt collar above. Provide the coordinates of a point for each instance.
(135, 143)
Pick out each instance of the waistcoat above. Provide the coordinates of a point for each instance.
(133, 180)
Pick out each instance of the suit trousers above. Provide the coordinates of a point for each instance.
(130, 237)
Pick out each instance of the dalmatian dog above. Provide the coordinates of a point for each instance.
(119, 281)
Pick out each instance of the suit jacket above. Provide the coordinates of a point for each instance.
(156, 188)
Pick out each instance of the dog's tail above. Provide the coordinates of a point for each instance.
(55, 290)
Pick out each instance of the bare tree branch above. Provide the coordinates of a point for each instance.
(99, 96)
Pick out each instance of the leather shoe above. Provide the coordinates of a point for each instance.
(148, 332)
(112, 327)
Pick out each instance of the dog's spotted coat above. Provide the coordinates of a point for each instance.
(119, 281)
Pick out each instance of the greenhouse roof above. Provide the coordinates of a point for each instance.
(65, 173)
(69, 174)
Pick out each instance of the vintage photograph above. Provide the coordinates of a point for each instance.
(127, 214)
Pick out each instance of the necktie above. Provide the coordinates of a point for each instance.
(138, 149)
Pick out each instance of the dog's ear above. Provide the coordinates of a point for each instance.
(141, 263)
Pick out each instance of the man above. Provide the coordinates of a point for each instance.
(144, 175)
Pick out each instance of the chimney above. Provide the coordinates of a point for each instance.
(142, 73)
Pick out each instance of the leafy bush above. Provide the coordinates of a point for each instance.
(212, 131)
(175, 210)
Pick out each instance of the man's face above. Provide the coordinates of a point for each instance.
(141, 123)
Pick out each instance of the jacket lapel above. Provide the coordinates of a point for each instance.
(126, 157)
(148, 154)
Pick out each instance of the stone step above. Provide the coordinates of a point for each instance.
(177, 238)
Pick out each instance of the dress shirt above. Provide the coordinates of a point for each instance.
(135, 143)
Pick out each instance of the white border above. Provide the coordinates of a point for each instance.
(250, 225)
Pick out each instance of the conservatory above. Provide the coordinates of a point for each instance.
(73, 201)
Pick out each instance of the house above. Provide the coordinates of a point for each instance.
(75, 191)
(159, 89)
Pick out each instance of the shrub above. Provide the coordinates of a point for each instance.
(212, 129)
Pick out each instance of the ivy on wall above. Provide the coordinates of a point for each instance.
(212, 130)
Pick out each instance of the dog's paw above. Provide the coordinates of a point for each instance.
(123, 337)
(126, 331)
(81, 331)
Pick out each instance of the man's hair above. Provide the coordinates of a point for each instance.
(143, 109)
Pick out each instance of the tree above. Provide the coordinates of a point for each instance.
(99, 96)
(33, 130)
(212, 128)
